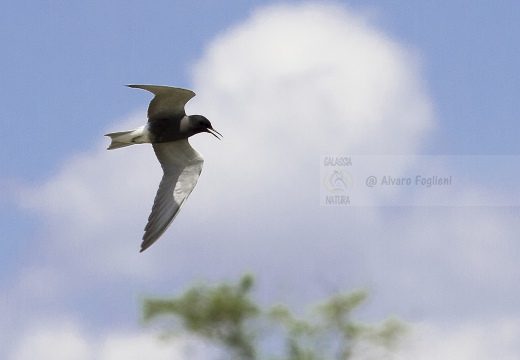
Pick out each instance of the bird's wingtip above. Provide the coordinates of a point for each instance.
(145, 245)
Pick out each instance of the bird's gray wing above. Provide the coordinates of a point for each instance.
(182, 165)
(168, 102)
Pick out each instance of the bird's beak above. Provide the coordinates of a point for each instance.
(214, 133)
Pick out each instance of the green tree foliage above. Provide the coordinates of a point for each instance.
(227, 316)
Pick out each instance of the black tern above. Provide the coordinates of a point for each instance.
(168, 130)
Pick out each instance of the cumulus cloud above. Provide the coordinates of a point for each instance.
(60, 343)
(284, 87)
(66, 340)
(467, 341)
(134, 346)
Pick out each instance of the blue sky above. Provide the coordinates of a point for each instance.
(451, 69)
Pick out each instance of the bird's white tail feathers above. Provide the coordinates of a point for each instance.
(120, 139)
(127, 138)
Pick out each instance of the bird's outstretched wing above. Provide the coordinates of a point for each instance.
(168, 102)
(182, 165)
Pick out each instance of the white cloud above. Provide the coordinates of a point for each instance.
(296, 82)
(66, 340)
(57, 343)
(496, 339)
(132, 346)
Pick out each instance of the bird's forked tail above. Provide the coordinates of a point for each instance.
(127, 138)
(120, 139)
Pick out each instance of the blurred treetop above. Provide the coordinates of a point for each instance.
(225, 315)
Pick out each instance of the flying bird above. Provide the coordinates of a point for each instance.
(168, 130)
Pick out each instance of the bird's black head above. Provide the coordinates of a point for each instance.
(200, 124)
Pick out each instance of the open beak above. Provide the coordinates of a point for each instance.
(214, 133)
